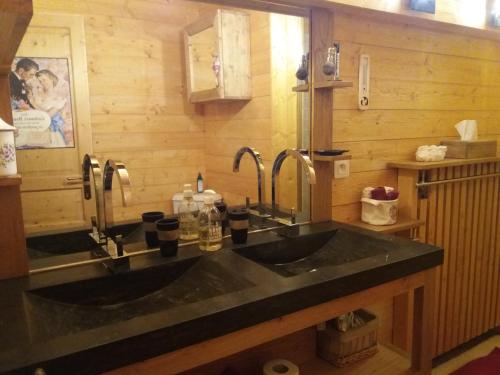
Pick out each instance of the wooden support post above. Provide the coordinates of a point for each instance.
(14, 259)
(322, 115)
(403, 304)
(15, 16)
(423, 325)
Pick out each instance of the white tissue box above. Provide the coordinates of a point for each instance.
(458, 149)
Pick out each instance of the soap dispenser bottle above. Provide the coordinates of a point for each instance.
(188, 215)
(210, 226)
(199, 183)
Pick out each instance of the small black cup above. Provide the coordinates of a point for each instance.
(168, 235)
(149, 219)
(238, 221)
(222, 207)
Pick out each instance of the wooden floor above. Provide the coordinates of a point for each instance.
(479, 350)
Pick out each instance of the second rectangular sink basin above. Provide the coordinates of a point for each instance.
(298, 255)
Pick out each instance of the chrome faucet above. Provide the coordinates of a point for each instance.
(123, 178)
(103, 221)
(300, 155)
(261, 177)
(91, 164)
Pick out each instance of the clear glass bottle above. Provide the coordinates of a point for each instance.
(188, 216)
(210, 226)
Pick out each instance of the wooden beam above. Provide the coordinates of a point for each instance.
(322, 115)
(423, 325)
(13, 255)
(15, 16)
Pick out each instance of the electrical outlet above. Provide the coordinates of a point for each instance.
(341, 168)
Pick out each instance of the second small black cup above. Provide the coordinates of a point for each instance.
(238, 221)
(222, 208)
(168, 235)
(149, 219)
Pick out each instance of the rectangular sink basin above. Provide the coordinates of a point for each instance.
(295, 256)
(95, 302)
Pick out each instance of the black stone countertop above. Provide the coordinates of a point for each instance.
(218, 293)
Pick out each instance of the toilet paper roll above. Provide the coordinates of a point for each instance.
(280, 367)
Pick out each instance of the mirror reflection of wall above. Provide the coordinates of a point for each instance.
(140, 114)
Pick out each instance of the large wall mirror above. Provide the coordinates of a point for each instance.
(114, 85)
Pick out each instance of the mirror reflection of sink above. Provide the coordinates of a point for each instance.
(92, 303)
(60, 244)
(307, 253)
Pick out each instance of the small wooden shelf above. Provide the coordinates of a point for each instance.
(386, 361)
(332, 84)
(332, 158)
(402, 224)
(301, 88)
(419, 165)
(10, 180)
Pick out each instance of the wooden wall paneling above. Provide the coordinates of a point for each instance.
(470, 256)
(479, 282)
(286, 49)
(430, 237)
(230, 126)
(444, 276)
(497, 251)
(474, 253)
(464, 259)
(487, 249)
(495, 240)
(452, 257)
(438, 214)
(462, 217)
(489, 255)
(139, 111)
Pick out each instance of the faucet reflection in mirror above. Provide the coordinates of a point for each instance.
(91, 164)
(261, 177)
(102, 223)
(303, 158)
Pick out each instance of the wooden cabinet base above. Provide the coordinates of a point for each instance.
(13, 256)
(221, 347)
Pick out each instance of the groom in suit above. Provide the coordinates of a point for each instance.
(25, 70)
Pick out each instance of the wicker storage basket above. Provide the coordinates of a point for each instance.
(344, 348)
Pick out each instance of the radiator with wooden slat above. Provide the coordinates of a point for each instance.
(463, 217)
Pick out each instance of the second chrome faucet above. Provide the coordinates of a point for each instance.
(300, 155)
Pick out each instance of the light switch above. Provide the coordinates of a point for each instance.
(341, 168)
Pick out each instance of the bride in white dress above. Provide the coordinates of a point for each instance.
(46, 97)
